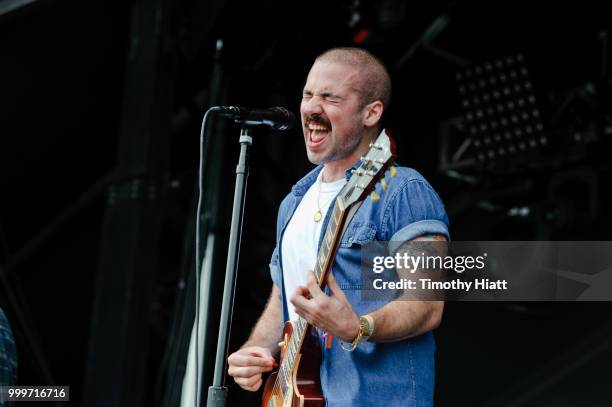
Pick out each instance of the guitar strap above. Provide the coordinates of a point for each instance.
(284, 295)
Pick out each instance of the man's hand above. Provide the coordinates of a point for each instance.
(333, 314)
(247, 364)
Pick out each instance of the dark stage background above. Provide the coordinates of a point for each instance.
(101, 108)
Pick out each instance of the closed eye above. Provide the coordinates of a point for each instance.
(330, 97)
(325, 96)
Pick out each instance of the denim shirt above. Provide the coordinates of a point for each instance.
(389, 374)
(8, 354)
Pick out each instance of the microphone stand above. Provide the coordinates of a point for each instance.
(217, 393)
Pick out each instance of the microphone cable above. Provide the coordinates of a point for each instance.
(197, 257)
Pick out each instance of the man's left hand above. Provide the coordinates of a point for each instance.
(332, 314)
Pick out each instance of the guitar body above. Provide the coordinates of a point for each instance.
(303, 387)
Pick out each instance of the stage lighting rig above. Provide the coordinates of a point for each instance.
(503, 130)
(539, 160)
(501, 117)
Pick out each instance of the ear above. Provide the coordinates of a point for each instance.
(372, 113)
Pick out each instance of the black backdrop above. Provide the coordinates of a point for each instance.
(63, 81)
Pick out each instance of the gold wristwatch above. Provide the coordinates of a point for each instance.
(366, 329)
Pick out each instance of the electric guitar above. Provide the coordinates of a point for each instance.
(296, 382)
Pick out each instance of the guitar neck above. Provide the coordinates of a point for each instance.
(329, 244)
(327, 252)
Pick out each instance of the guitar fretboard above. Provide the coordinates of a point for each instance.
(324, 259)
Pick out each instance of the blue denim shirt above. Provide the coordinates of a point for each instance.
(8, 354)
(376, 374)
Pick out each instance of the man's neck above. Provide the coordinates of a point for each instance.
(335, 170)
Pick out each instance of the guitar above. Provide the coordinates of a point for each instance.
(296, 382)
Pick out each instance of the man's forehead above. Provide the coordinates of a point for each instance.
(331, 75)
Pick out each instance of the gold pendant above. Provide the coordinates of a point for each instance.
(317, 216)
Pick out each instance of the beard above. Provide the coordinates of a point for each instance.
(341, 150)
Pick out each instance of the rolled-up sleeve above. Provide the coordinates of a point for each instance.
(415, 210)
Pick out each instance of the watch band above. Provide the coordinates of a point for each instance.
(366, 329)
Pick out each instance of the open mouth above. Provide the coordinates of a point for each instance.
(317, 133)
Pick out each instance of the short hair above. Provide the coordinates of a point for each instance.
(376, 81)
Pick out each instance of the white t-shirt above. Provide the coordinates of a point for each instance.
(301, 238)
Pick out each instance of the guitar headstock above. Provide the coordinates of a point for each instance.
(370, 171)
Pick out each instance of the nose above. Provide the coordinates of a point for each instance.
(311, 106)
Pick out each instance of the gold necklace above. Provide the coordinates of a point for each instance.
(318, 215)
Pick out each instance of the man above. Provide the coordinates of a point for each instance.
(346, 93)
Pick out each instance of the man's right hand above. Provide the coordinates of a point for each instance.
(247, 364)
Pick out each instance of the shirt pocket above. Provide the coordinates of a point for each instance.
(358, 234)
(348, 258)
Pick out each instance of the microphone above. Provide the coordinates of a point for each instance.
(277, 118)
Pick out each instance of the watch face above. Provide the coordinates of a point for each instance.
(365, 327)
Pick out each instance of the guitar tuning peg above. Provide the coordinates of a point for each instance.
(375, 197)
(393, 171)
(383, 183)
